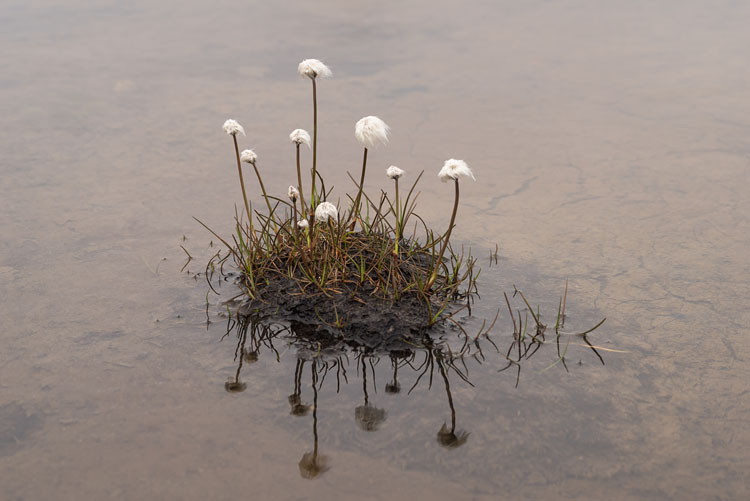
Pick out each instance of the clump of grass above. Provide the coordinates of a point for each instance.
(362, 249)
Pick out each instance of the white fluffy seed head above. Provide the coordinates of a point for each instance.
(293, 193)
(370, 131)
(394, 172)
(326, 211)
(232, 128)
(299, 136)
(248, 156)
(313, 68)
(303, 224)
(453, 169)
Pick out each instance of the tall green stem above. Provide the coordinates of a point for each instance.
(398, 221)
(398, 218)
(299, 182)
(295, 229)
(242, 184)
(263, 189)
(445, 242)
(313, 197)
(355, 208)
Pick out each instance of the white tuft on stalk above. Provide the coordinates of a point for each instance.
(453, 169)
(303, 224)
(232, 128)
(300, 136)
(293, 193)
(326, 211)
(313, 68)
(370, 131)
(248, 156)
(394, 172)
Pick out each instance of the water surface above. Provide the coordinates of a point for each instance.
(611, 149)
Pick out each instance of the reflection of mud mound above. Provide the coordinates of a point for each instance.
(364, 320)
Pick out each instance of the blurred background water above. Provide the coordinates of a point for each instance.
(610, 144)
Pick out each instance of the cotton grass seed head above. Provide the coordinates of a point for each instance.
(313, 68)
(300, 136)
(293, 193)
(453, 169)
(370, 131)
(394, 172)
(232, 128)
(303, 224)
(326, 211)
(248, 156)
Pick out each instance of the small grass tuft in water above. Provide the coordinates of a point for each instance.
(370, 249)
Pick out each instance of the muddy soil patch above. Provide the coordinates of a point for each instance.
(356, 318)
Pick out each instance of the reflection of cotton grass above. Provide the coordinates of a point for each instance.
(313, 464)
(326, 211)
(449, 439)
(298, 408)
(369, 131)
(235, 386)
(369, 418)
(233, 128)
(452, 169)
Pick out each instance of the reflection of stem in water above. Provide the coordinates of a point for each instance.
(368, 417)
(235, 386)
(449, 438)
(298, 377)
(394, 386)
(429, 365)
(364, 381)
(439, 359)
(313, 464)
(315, 407)
(298, 408)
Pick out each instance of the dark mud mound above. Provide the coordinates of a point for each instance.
(355, 318)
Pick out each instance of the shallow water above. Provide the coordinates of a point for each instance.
(611, 149)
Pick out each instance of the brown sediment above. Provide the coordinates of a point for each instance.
(354, 317)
